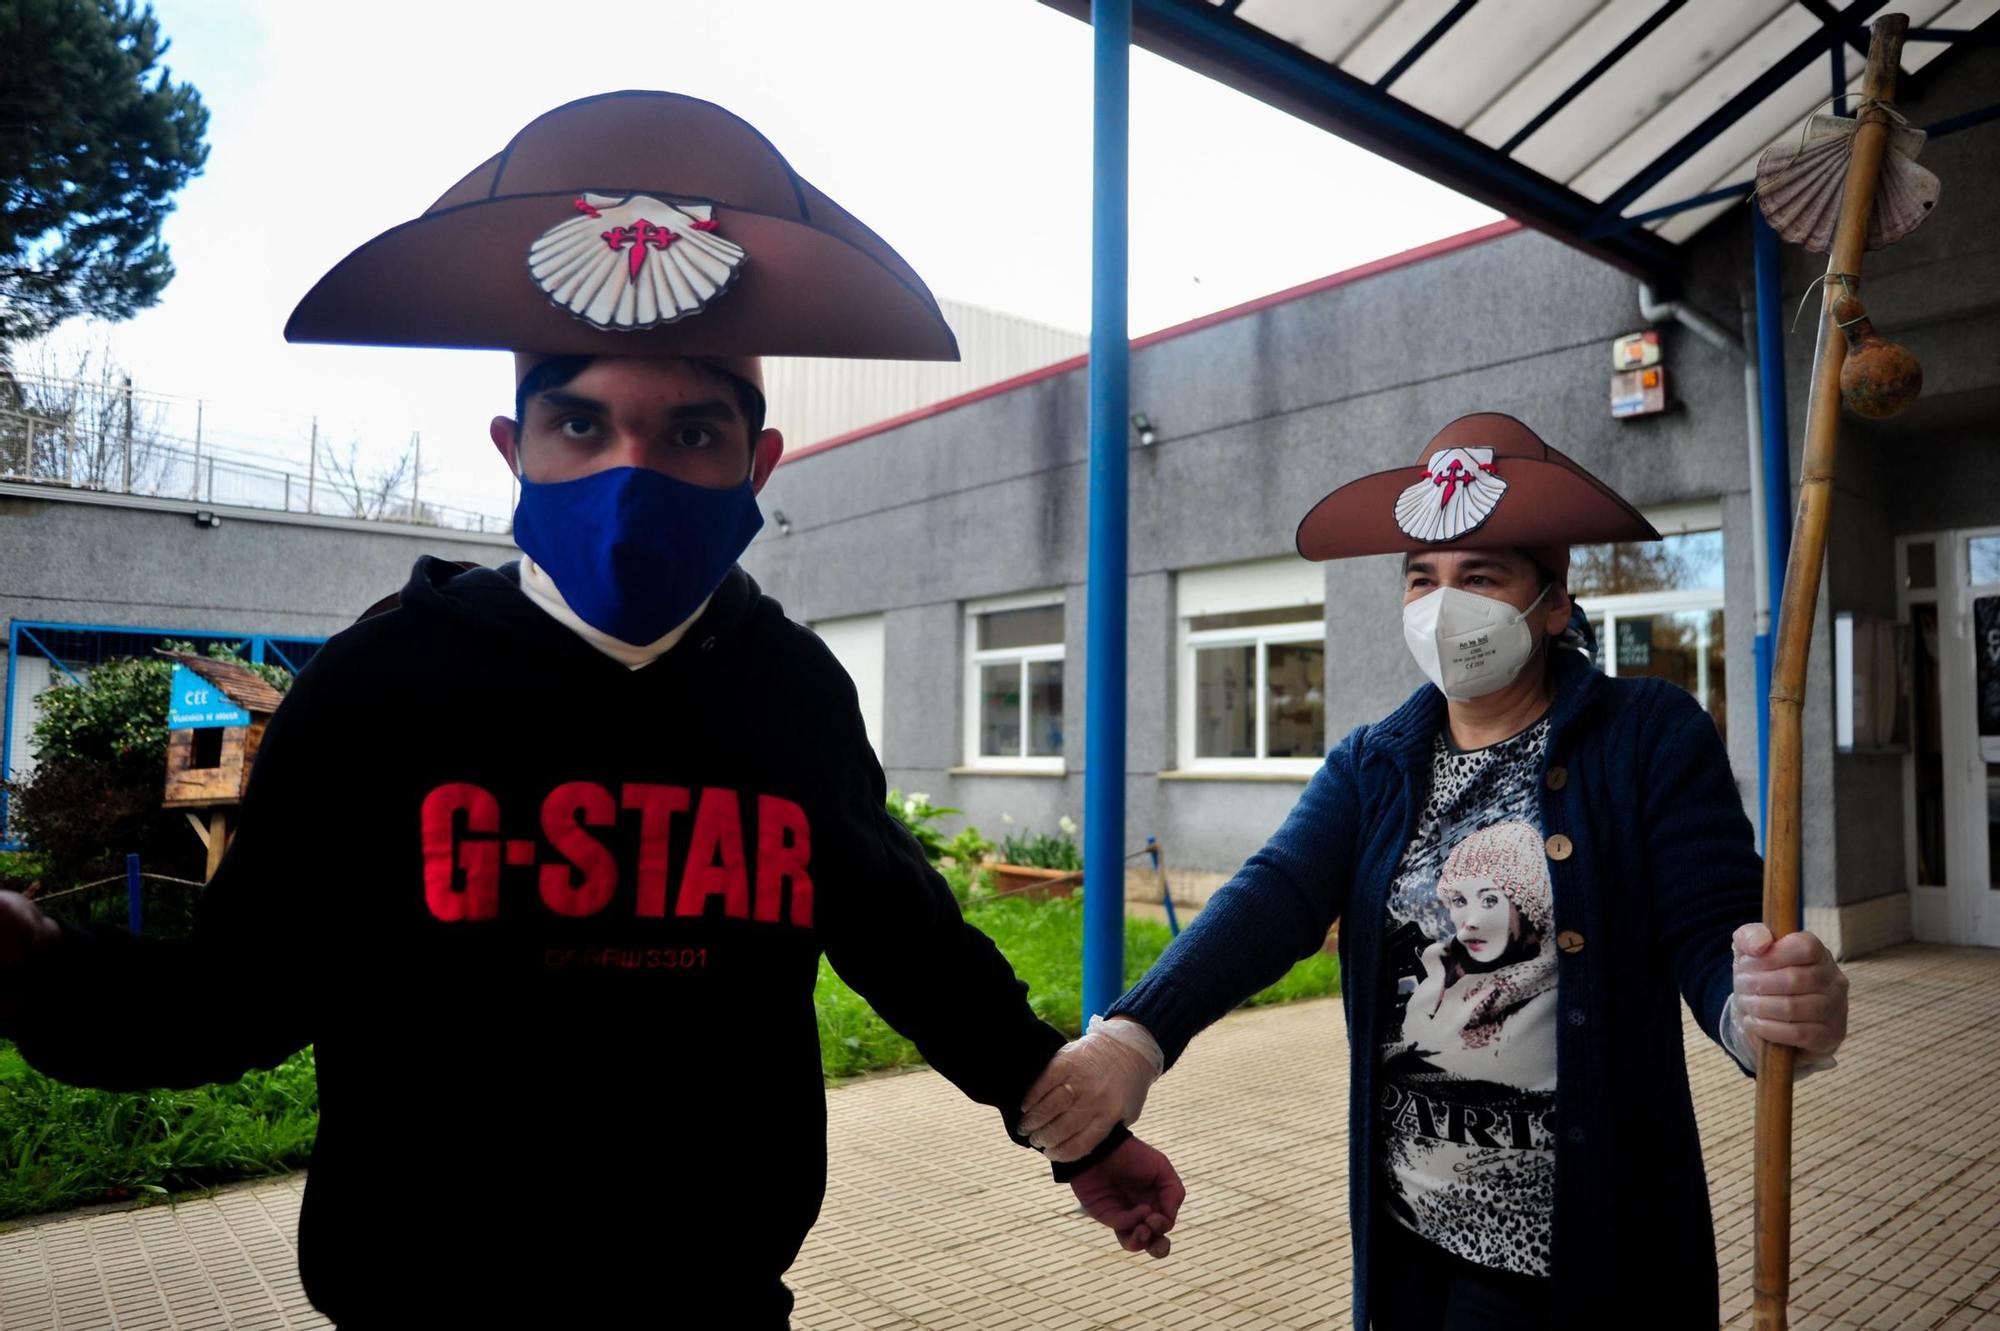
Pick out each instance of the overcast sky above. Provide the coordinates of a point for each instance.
(958, 129)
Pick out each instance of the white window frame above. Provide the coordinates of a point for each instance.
(1262, 637)
(1260, 585)
(976, 659)
(1677, 520)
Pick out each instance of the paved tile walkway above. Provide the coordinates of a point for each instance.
(934, 1222)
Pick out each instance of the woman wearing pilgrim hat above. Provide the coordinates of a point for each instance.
(1531, 865)
(542, 859)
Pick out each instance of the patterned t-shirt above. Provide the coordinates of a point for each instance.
(1468, 1071)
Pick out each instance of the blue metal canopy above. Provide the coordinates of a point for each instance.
(1620, 126)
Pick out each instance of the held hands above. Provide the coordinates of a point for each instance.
(1092, 1084)
(1134, 1192)
(1788, 992)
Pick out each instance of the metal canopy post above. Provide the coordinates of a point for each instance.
(1777, 478)
(1104, 651)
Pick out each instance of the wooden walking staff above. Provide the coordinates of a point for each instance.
(1788, 674)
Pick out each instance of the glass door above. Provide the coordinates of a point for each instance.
(1965, 635)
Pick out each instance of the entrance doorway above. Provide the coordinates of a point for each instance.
(1951, 603)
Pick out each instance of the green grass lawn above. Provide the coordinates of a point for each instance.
(61, 1146)
(1044, 941)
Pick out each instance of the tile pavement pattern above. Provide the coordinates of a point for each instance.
(933, 1221)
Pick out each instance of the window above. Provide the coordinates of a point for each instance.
(1253, 668)
(1014, 684)
(207, 751)
(1657, 606)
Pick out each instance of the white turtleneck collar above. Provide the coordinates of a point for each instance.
(542, 590)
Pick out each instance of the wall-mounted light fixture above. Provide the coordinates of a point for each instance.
(1148, 436)
(784, 523)
(206, 518)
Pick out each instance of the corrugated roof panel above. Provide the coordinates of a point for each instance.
(1484, 54)
(1394, 35)
(1627, 103)
(1648, 78)
(1534, 91)
(1759, 125)
(1733, 154)
(1328, 31)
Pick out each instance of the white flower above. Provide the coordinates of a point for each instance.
(920, 797)
(1068, 825)
(910, 807)
(1007, 818)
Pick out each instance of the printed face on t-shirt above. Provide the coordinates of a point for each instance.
(1482, 918)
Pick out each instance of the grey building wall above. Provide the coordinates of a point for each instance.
(1257, 418)
(76, 557)
(1259, 415)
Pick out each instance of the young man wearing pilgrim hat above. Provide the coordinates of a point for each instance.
(1531, 865)
(542, 859)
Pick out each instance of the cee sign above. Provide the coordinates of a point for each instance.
(196, 704)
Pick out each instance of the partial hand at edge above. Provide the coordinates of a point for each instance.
(25, 932)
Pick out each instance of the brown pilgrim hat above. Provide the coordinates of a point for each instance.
(1485, 482)
(635, 224)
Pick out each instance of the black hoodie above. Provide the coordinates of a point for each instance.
(552, 926)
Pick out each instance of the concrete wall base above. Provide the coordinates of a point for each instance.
(1861, 928)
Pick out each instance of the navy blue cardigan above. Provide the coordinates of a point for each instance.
(1662, 869)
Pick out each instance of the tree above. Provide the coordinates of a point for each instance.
(75, 419)
(93, 146)
(378, 496)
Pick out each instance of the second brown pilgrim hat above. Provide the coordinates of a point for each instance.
(1486, 481)
(635, 224)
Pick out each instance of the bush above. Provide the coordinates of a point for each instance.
(917, 814)
(21, 871)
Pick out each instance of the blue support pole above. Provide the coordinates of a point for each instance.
(1110, 394)
(132, 912)
(7, 729)
(1166, 893)
(1777, 473)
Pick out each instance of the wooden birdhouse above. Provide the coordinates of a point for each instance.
(215, 721)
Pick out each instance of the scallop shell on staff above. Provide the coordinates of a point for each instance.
(1799, 185)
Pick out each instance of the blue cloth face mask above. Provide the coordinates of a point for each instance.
(632, 551)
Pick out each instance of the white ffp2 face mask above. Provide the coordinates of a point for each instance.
(1469, 645)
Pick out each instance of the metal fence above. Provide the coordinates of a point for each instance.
(42, 451)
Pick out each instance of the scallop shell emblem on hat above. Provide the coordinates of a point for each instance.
(1459, 491)
(634, 261)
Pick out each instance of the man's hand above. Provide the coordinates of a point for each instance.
(24, 931)
(1789, 992)
(1135, 1192)
(1092, 1084)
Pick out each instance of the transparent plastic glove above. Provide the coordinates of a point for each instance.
(1787, 992)
(1092, 1084)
